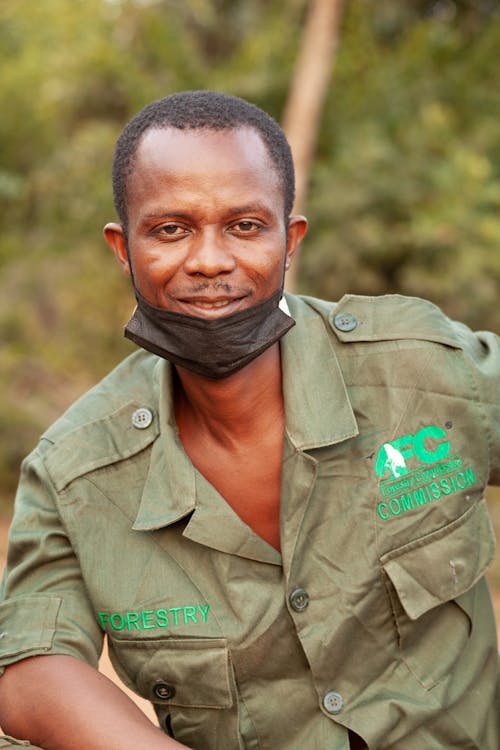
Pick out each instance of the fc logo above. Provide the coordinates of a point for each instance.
(428, 445)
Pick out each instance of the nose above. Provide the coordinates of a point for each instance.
(209, 256)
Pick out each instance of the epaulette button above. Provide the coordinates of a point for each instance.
(142, 418)
(345, 322)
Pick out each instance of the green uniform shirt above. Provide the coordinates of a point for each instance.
(375, 617)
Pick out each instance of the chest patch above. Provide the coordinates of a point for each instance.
(415, 470)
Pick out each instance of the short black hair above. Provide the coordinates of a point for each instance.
(198, 110)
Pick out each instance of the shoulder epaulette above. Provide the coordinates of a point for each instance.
(114, 420)
(359, 318)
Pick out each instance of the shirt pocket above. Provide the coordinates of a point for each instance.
(190, 683)
(430, 582)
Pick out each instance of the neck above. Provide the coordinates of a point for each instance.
(235, 407)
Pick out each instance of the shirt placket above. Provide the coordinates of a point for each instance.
(302, 586)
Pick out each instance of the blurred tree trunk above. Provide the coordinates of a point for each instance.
(308, 89)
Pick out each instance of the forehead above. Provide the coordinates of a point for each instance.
(200, 159)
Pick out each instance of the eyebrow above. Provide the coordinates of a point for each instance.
(165, 215)
(248, 208)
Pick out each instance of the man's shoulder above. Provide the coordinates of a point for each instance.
(115, 418)
(132, 380)
(363, 319)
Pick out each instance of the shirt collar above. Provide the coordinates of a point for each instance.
(169, 493)
(318, 413)
(317, 405)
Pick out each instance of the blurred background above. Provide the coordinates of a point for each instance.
(395, 105)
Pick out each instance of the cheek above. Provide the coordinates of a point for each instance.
(270, 267)
(265, 258)
(155, 264)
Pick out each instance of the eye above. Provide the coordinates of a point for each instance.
(246, 226)
(171, 229)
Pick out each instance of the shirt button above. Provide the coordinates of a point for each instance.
(299, 599)
(345, 322)
(142, 418)
(333, 702)
(163, 691)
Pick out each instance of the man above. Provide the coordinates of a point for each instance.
(280, 528)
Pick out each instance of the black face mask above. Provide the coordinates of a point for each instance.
(214, 348)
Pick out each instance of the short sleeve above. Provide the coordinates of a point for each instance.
(483, 348)
(44, 607)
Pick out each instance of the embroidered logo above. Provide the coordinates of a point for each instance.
(149, 619)
(428, 445)
(417, 469)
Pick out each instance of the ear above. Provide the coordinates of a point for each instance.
(297, 228)
(115, 237)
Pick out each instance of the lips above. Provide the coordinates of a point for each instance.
(206, 305)
(209, 305)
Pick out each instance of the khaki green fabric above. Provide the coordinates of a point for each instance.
(11, 742)
(375, 617)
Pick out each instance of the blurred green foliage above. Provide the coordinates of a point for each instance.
(404, 193)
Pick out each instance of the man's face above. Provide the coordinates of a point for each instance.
(206, 229)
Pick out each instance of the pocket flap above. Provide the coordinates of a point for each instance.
(189, 672)
(440, 566)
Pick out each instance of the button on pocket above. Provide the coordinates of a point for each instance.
(189, 680)
(163, 691)
(190, 672)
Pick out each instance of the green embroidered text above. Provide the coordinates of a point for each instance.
(426, 493)
(149, 619)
